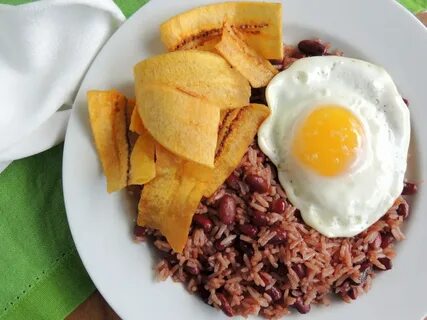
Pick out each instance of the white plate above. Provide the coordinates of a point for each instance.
(380, 31)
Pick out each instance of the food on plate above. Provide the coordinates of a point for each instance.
(258, 70)
(136, 124)
(170, 209)
(169, 201)
(250, 252)
(142, 165)
(199, 73)
(339, 136)
(227, 117)
(184, 124)
(107, 114)
(237, 132)
(267, 261)
(260, 24)
(259, 209)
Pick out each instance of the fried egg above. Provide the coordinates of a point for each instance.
(339, 136)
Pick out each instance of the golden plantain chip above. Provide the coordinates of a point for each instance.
(237, 134)
(200, 28)
(131, 135)
(182, 123)
(142, 166)
(201, 74)
(169, 201)
(107, 114)
(254, 67)
(157, 195)
(136, 122)
(181, 211)
(205, 174)
(225, 124)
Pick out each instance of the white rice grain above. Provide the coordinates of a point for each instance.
(220, 231)
(228, 240)
(266, 237)
(258, 207)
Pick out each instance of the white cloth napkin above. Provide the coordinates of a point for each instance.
(45, 49)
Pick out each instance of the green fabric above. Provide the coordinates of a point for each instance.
(41, 275)
(14, 2)
(40, 271)
(414, 5)
(128, 7)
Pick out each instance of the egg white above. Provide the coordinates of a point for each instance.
(347, 204)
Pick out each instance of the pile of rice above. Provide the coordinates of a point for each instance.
(271, 263)
(245, 275)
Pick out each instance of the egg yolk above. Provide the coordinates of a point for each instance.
(328, 140)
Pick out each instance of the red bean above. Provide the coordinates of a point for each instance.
(278, 205)
(257, 183)
(365, 266)
(233, 181)
(193, 270)
(259, 218)
(274, 293)
(403, 210)
(203, 221)
(227, 209)
(300, 270)
(409, 189)
(139, 231)
(387, 239)
(280, 236)
(249, 230)
(301, 307)
(312, 47)
(352, 293)
(297, 55)
(225, 305)
(386, 262)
